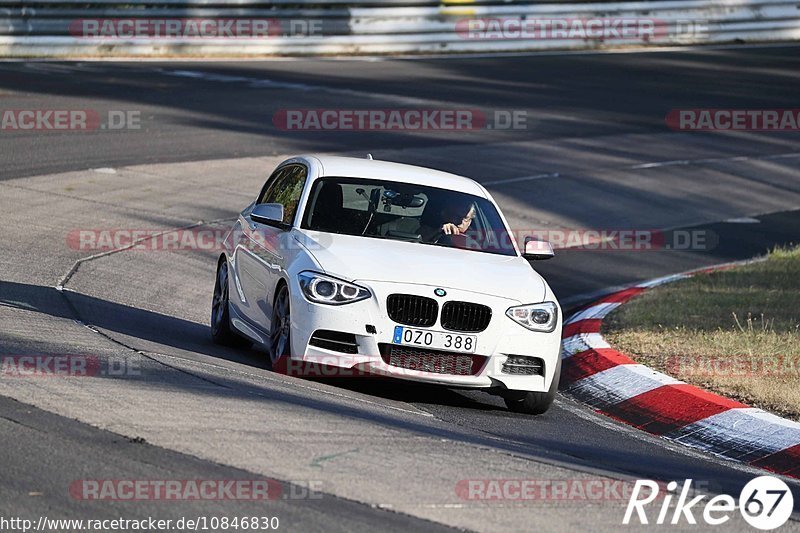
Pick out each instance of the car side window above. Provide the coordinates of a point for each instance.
(268, 185)
(285, 187)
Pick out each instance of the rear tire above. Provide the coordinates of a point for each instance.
(534, 403)
(221, 330)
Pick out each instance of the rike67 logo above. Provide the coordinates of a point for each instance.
(765, 503)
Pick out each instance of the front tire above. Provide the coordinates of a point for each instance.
(280, 341)
(221, 331)
(534, 403)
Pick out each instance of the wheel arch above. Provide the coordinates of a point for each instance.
(282, 282)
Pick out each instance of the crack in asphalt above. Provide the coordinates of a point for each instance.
(323, 458)
(60, 286)
(63, 290)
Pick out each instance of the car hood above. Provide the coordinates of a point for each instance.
(369, 259)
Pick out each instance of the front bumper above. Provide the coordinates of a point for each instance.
(502, 338)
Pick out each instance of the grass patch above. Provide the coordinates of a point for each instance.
(736, 332)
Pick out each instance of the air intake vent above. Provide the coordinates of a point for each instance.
(522, 365)
(466, 317)
(336, 341)
(412, 310)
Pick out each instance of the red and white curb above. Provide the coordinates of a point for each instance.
(616, 386)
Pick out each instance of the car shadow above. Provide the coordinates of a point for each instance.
(409, 391)
(123, 322)
(119, 321)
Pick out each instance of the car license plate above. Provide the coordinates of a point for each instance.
(438, 340)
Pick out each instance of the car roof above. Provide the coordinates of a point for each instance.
(353, 167)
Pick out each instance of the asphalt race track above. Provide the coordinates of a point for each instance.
(595, 152)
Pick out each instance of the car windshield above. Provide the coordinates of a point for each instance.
(406, 212)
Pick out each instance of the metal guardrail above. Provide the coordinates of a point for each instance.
(57, 28)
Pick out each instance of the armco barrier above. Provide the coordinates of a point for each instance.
(52, 28)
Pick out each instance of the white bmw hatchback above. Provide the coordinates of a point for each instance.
(393, 270)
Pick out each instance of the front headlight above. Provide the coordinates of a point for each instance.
(536, 317)
(323, 289)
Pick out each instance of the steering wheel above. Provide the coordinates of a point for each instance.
(443, 238)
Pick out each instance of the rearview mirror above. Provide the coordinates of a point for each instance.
(267, 213)
(536, 250)
(407, 200)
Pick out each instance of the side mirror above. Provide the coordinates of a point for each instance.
(267, 213)
(536, 250)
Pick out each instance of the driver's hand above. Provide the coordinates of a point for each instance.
(451, 229)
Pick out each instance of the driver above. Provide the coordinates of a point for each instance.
(452, 219)
(461, 215)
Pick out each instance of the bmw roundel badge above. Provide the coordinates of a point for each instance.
(440, 292)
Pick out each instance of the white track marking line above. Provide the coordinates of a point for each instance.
(682, 162)
(522, 178)
(652, 165)
(265, 83)
(743, 220)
